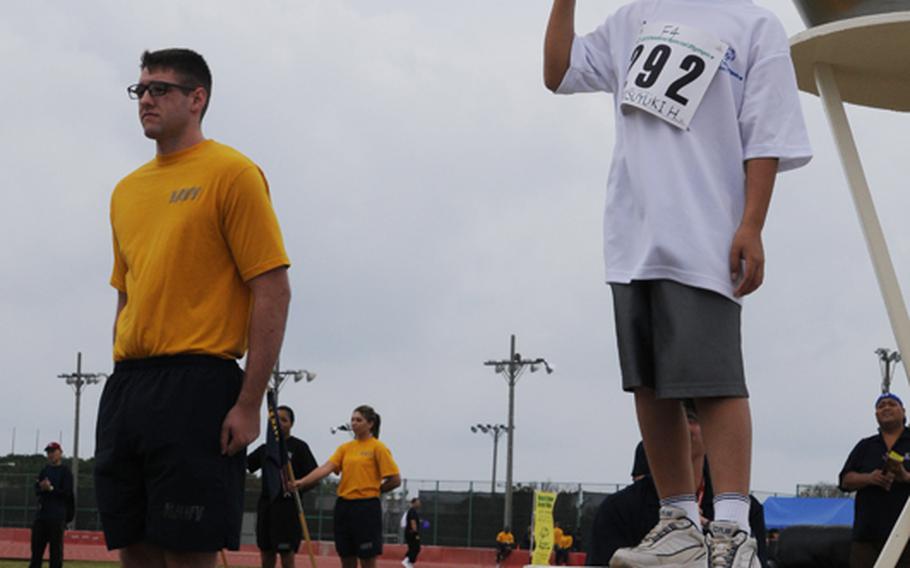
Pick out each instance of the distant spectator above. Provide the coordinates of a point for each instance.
(772, 540)
(882, 485)
(563, 546)
(505, 543)
(54, 488)
(625, 517)
(640, 464)
(557, 538)
(412, 533)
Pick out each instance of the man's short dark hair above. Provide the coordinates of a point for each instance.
(191, 67)
(288, 410)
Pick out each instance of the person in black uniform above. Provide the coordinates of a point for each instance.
(55, 498)
(278, 529)
(412, 533)
(882, 485)
(625, 517)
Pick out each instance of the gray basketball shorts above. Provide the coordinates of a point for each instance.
(681, 341)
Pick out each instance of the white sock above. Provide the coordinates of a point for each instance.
(733, 507)
(687, 503)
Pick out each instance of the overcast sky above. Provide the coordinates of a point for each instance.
(434, 198)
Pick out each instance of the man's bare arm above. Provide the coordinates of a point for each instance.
(271, 296)
(121, 303)
(854, 480)
(747, 244)
(557, 48)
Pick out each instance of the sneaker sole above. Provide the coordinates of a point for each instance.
(696, 560)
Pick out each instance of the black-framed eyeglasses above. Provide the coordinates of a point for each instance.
(155, 88)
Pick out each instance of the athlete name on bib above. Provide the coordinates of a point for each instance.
(671, 68)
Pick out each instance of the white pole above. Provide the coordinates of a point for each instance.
(881, 261)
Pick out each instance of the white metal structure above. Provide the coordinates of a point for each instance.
(862, 60)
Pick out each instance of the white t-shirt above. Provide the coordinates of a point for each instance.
(675, 197)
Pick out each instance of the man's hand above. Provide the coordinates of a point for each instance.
(747, 260)
(240, 428)
(45, 485)
(747, 256)
(880, 479)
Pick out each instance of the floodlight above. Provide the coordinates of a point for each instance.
(309, 376)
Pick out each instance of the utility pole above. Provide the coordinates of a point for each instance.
(512, 368)
(78, 380)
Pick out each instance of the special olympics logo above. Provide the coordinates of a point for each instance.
(730, 55)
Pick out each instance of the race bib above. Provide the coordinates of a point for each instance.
(671, 68)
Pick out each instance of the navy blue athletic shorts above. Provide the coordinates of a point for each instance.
(278, 525)
(358, 527)
(160, 477)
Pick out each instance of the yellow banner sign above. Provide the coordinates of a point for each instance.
(543, 526)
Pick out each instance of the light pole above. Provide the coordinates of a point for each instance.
(512, 368)
(78, 380)
(342, 428)
(887, 360)
(494, 430)
(279, 377)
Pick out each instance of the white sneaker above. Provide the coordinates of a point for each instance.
(675, 542)
(406, 563)
(731, 547)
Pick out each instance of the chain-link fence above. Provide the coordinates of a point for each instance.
(457, 513)
(468, 513)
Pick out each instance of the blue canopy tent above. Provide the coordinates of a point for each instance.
(782, 512)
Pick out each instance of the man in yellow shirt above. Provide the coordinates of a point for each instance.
(200, 271)
(505, 543)
(563, 548)
(557, 540)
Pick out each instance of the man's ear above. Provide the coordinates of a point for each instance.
(200, 97)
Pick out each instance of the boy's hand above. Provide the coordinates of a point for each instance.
(747, 260)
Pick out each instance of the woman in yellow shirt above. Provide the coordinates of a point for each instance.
(367, 470)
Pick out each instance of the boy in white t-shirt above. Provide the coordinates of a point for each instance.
(707, 113)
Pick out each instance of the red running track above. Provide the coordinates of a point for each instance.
(89, 546)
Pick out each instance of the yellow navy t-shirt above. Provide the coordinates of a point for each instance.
(363, 465)
(189, 230)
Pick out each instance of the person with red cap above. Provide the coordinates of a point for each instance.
(54, 489)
